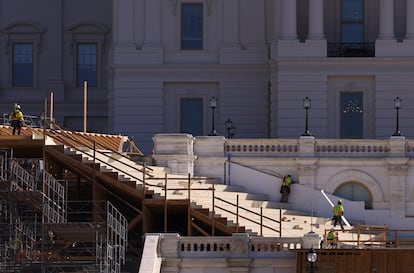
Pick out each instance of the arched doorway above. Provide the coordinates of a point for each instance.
(356, 192)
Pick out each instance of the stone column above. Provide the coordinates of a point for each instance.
(152, 22)
(231, 27)
(410, 20)
(289, 28)
(123, 27)
(316, 20)
(386, 20)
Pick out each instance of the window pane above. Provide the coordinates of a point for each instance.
(191, 26)
(192, 116)
(22, 64)
(352, 10)
(352, 17)
(352, 33)
(355, 192)
(86, 64)
(351, 115)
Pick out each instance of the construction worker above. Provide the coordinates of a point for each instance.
(338, 212)
(285, 188)
(332, 238)
(16, 119)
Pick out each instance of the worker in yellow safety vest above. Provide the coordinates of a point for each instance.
(16, 119)
(285, 188)
(338, 212)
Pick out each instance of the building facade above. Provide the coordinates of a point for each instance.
(260, 59)
(48, 49)
(153, 65)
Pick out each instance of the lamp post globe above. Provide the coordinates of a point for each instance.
(312, 256)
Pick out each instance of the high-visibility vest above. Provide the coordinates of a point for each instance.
(286, 181)
(16, 115)
(331, 235)
(338, 209)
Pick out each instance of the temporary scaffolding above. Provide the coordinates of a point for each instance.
(42, 231)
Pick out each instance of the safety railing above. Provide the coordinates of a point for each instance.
(23, 180)
(96, 151)
(158, 184)
(29, 120)
(233, 210)
(364, 237)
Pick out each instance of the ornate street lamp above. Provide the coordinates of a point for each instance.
(397, 106)
(230, 128)
(312, 257)
(307, 105)
(213, 106)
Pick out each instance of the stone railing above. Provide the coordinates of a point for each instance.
(309, 146)
(238, 245)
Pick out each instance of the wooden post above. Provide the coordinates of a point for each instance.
(237, 213)
(280, 222)
(189, 222)
(261, 221)
(85, 97)
(51, 109)
(213, 221)
(165, 205)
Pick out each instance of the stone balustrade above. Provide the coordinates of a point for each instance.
(316, 147)
(238, 245)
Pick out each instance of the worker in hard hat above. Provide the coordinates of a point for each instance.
(338, 212)
(16, 118)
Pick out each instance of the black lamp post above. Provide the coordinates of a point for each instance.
(307, 105)
(213, 106)
(312, 257)
(397, 106)
(230, 128)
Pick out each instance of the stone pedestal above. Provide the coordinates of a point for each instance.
(175, 151)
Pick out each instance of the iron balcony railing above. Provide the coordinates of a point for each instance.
(351, 50)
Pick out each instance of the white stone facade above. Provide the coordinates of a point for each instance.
(384, 168)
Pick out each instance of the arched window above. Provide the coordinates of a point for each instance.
(356, 192)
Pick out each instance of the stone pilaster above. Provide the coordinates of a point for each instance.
(410, 21)
(397, 168)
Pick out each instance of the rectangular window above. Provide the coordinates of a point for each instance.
(352, 21)
(192, 26)
(351, 115)
(191, 116)
(22, 64)
(86, 64)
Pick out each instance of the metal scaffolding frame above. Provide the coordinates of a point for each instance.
(34, 210)
(116, 239)
(54, 200)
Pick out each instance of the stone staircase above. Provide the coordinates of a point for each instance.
(255, 210)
